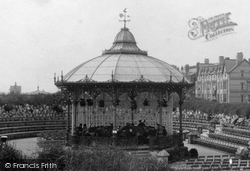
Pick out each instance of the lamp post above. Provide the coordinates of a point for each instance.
(75, 116)
(230, 163)
(180, 129)
(74, 135)
(114, 137)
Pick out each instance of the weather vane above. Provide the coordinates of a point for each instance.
(124, 17)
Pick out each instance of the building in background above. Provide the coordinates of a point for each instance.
(15, 89)
(190, 72)
(226, 82)
(38, 92)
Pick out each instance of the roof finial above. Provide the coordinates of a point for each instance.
(124, 17)
(112, 76)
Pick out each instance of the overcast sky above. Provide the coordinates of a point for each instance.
(41, 37)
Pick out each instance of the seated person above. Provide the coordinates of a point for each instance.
(161, 130)
(157, 129)
(141, 124)
(84, 129)
(164, 131)
(79, 130)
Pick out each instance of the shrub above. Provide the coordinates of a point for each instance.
(105, 158)
(52, 155)
(8, 154)
(193, 153)
(178, 153)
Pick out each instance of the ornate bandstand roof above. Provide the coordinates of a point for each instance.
(124, 62)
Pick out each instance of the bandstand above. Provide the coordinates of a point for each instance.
(123, 85)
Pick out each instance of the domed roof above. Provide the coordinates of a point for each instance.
(125, 62)
(124, 43)
(124, 36)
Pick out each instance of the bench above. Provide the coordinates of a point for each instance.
(216, 146)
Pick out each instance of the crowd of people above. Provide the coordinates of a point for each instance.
(233, 119)
(20, 112)
(186, 114)
(83, 130)
(219, 118)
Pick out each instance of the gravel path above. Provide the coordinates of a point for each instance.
(29, 146)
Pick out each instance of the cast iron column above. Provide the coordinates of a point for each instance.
(103, 111)
(180, 106)
(73, 118)
(74, 112)
(115, 103)
(160, 113)
(68, 121)
(132, 109)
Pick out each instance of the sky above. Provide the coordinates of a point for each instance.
(41, 37)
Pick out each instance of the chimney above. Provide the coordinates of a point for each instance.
(239, 57)
(206, 61)
(181, 68)
(186, 68)
(221, 60)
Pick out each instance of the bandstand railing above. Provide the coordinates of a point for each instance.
(127, 143)
(100, 118)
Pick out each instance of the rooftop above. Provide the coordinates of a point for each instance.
(124, 62)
